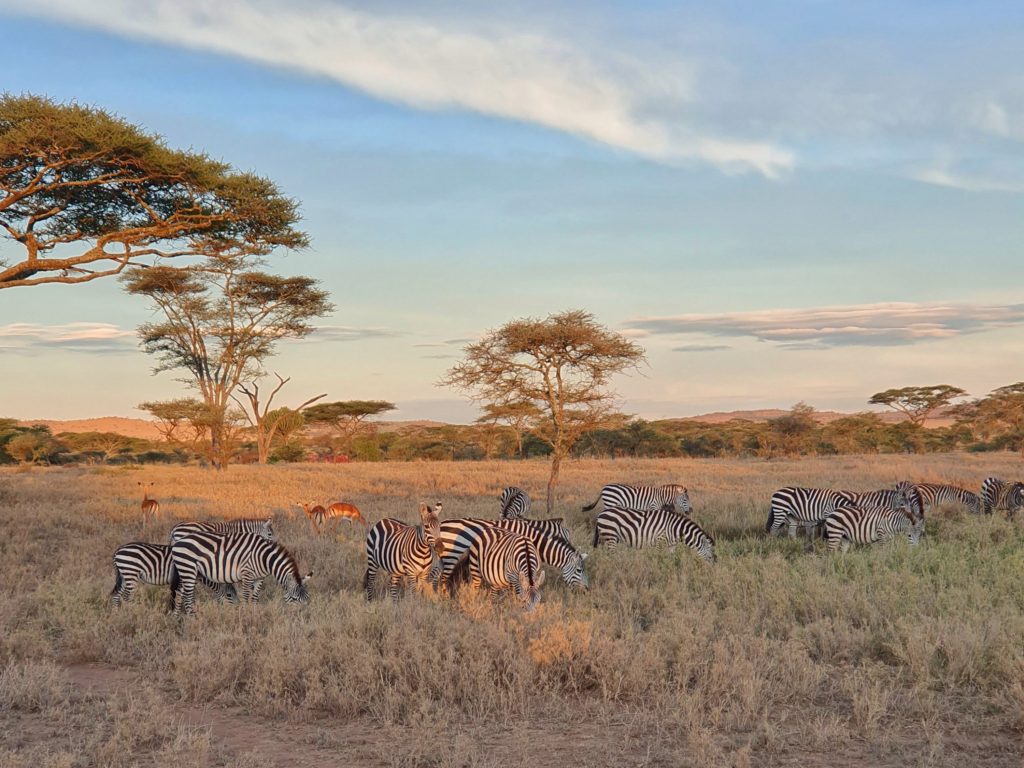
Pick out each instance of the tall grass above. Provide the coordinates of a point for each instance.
(773, 652)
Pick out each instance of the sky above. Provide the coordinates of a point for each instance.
(808, 200)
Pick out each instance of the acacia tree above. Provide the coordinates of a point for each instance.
(561, 365)
(348, 417)
(517, 416)
(266, 422)
(222, 319)
(86, 194)
(917, 403)
(998, 417)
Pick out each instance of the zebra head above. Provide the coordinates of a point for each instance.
(1014, 499)
(682, 500)
(431, 526)
(973, 503)
(298, 591)
(573, 572)
(705, 547)
(916, 531)
(267, 529)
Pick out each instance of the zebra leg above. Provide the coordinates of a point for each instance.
(396, 583)
(368, 582)
(257, 589)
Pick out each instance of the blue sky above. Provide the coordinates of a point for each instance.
(779, 201)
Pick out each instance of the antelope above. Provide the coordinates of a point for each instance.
(150, 507)
(342, 510)
(314, 512)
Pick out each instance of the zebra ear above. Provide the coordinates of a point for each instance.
(307, 577)
(540, 578)
(584, 555)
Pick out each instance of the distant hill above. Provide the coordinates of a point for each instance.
(141, 428)
(145, 429)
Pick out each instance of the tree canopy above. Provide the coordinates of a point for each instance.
(87, 194)
(918, 403)
(560, 365)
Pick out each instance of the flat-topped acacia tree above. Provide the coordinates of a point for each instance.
(86, 194)
(560, 365)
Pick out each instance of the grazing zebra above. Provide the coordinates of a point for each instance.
(263, 528)
(808, 507)
(504, 561)
(549, 536)
(999, 495)
(933, 494)
(234, 558)
(150, 507)
(151, 564)
(851, 524)
(643, 498)
(640, 529)
(404, 551)
(515, 503)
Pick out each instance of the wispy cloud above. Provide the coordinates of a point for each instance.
(701, 348)
(351, 333)
(889, 324)
(520, 75)
(942, 176)
(96, 338)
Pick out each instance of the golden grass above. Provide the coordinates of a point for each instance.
(774, 655)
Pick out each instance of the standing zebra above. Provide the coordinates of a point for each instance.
(504, 561)
(515, 503)
(263, 528)
(235, 558)
(808, 507)
(641, 529)
(999, 495)
(933, 494)
(151, 564)
(550, 537)
(404, 551)
(643, 498)
(851, 524)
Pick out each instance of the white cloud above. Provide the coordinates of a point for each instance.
(941, 176)
(522, 76)
(890, 324)
(80, 337)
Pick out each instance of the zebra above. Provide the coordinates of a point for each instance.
(997, 495)
(262, 528)
(933, 494)
(803, 506)
(640, 529)
(862, 525)
(234, 558)
(404, 551)
(151, 564)
(515, 503)
(643, 498)
(549, 536)
(504, 561)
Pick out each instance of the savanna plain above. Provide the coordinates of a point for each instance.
(777, 655)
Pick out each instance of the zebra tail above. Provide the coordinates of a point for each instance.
(595, 535)
(771, 519)
(591, 506)
(175, 586)
(118, 581)
(459, 574)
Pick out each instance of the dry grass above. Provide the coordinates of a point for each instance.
(890, 655)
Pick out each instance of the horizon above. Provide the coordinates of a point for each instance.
(813, 206)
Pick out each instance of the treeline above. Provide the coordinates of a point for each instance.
(995, 423)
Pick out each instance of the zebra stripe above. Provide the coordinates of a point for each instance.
(515, 503)
(998, 495)
(237, 558)
(262, 528)
(641, 529)
(404, 551)
(504, 561)
(808, 507)
(643, 498)
(867, 525)
(151, 564)
(933, 494)
(457, 535)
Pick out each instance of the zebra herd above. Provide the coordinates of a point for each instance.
(508, 553)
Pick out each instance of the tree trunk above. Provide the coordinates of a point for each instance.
(556, 465)
(262, 446)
